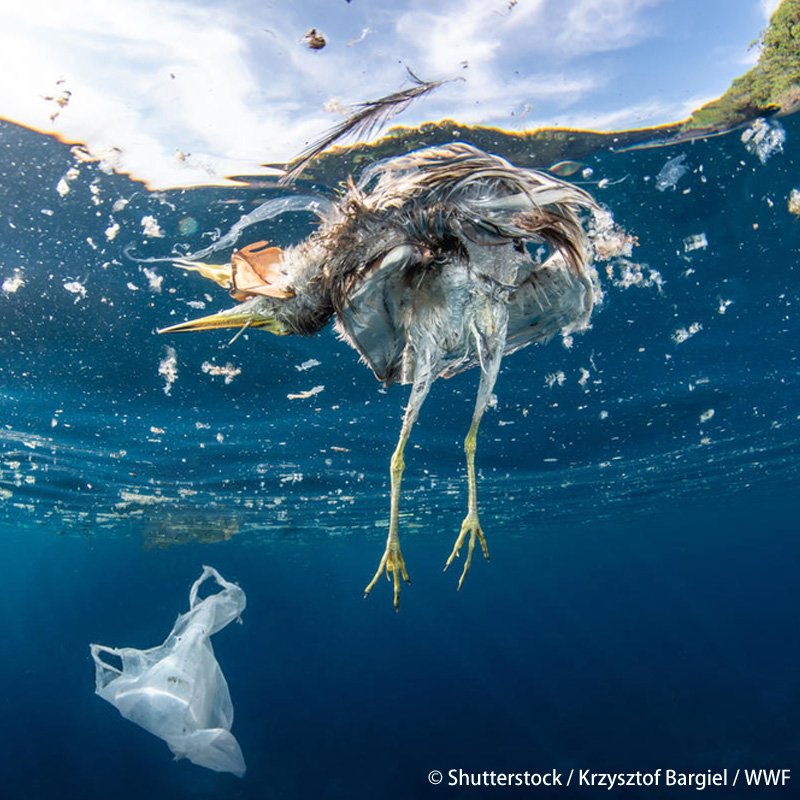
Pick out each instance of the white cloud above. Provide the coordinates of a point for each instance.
(474, 32)
(596, 26)
(540, 32)
(482, 101)
(160, 80)
(232, 85)
(148, 77)
(516, 57)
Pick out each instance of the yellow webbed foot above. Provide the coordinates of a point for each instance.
(470, 526)
(394, 566)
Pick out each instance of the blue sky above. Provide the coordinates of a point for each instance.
(191, 91)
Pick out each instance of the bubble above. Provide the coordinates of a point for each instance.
(188, 225)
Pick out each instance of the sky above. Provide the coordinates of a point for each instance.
(182, 93)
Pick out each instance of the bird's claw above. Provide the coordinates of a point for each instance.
(470, 526)
(394, 566)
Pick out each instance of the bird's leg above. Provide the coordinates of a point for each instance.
(392, 562)
(489, 369)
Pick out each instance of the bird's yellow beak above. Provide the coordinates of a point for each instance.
(241, 319)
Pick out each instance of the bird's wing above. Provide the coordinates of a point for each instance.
(368, 321)
(553, 299)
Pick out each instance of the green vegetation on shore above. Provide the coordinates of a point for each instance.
(772, 85)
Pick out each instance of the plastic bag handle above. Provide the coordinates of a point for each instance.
(208, 572)
(96, 649)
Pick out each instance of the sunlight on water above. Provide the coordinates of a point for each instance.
(633, 483)
(107, 423)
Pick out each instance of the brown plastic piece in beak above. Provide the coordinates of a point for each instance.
(259, 270)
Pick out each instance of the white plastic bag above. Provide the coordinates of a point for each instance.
(176, 691)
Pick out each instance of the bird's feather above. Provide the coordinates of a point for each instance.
(365, 119)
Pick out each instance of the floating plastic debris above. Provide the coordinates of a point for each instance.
(723, 305)
(763, 139)
(154, 279)
(306, 394)
(107, 158)
(128, 498)
(76, 288)
(698, 382)
(793, 203)
(59, 98)
(360, 38)
(168, 369)
(682, 334)
(609, 239)
(555, 378)
(227, 371)
(176, 691)
(706, 415)
(82, 153)
(314, 39)
(306, 365)
(63, 186)
(14, 283)
(111, 231)
(671, 173)
(151, 228)
(696, 242)
(629, 273)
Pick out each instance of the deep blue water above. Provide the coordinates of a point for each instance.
(640, 608)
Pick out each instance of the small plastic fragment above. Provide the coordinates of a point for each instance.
(698, 241)
(671, 173)
(763, 139)
(793, 203)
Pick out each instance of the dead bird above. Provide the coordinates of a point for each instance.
(426, 265)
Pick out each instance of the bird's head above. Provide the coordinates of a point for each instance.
(256, 276)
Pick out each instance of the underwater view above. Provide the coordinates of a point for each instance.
(636, 468)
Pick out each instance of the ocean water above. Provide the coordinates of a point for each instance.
(638, 491)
